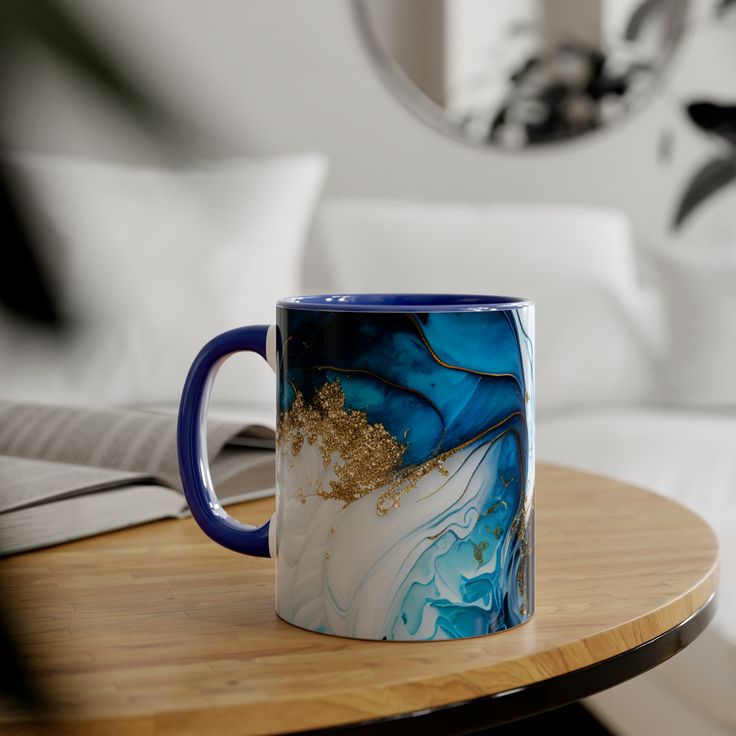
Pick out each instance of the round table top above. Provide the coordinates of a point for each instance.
(156, 627)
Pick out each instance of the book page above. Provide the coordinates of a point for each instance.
(72, 518)
(117, 439)
(25, 482)
(238, 473)
(257, 420)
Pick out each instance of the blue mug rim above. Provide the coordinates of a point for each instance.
(403, 303)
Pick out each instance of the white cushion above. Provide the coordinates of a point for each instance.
(152, 263)
(594, 321)
(698, 284)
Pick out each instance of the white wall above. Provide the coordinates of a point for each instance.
(273, 75)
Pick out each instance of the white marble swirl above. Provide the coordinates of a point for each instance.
(346, 570)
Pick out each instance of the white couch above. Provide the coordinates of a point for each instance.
(600, 363)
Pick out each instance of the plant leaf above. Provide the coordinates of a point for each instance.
(639, 18)
(25, 286)
(723, 7)
(58, 30)
(673, 17)
(665, 145)
(715, 175)
(713, 118)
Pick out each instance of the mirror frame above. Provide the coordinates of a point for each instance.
(423, 108)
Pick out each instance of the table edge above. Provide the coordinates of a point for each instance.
(495, 709)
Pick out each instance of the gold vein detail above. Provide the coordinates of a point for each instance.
(363, 371)
(520, 528)
(439, 360)
(363, 456)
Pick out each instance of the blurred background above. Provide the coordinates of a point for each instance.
(170, 169)
(271, 79)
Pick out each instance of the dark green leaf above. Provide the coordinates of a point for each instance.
(715, 175)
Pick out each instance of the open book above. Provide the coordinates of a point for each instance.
(67, 473)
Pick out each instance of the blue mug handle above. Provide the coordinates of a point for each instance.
(192, 442)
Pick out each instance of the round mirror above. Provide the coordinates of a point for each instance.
(522, 73)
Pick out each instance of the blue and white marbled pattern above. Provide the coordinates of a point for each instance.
(455, 559)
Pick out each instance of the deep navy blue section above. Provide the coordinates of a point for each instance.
(192, 445)
(403, 302)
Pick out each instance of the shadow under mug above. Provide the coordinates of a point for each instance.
(404, 462)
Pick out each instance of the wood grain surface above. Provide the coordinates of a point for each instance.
(158, 630)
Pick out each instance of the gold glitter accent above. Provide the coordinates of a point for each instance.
(327, 555)
(363, 456)
(407, 479)
(296, 444)
(438, 534)
(383, 379)
(412, 476)
(478, 550)
(520, 527)
(494, 506)
(526, 396)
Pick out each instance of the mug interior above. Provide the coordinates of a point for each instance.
(405, 302)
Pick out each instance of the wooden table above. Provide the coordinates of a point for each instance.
(158, 630)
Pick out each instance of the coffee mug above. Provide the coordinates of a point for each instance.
(404, 462)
